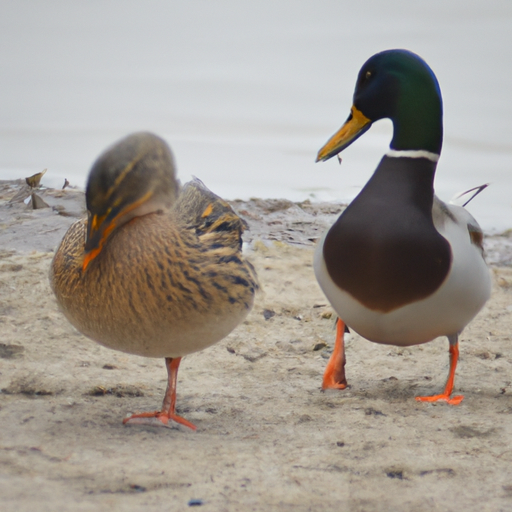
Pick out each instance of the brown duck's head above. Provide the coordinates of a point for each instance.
(134, 177)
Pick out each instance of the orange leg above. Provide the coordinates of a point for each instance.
(334, 375)
(454, 356)
(168, 412)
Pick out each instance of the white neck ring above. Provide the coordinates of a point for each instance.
(413, 153)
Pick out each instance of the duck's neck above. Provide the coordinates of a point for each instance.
(418, 123)
(402, 182)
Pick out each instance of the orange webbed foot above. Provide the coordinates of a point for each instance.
(334, 375)
(157, 419)
(445, 396)
(330, 381)
(455, 400)
(167, 414)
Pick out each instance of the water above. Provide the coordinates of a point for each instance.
(247, 92)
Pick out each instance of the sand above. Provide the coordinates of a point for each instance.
(268, 438)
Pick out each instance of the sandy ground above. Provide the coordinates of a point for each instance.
(267, 438)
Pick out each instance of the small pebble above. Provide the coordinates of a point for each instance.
(137, 488)
(268, 314)
(195, 503)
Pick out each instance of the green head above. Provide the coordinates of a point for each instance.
(399, 85)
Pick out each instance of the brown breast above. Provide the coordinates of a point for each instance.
(384, 249)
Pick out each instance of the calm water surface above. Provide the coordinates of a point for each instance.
(247, 92)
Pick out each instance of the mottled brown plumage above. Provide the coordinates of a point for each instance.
(169, 277)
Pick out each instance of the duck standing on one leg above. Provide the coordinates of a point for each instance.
(155, 270)
(399, 266)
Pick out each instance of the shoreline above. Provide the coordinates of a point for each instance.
(269, 220)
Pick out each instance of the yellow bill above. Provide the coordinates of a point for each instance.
(356, 124)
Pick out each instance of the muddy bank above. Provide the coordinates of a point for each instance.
(268, 438)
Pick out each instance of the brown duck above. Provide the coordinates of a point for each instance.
(156, 270)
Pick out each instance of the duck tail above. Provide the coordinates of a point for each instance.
(461, 199)
(205, 212)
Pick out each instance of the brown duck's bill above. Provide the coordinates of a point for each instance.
(89, 256)
(99, 227)
(356, 124)
(97, 232)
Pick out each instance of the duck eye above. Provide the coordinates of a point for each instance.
(368, 75)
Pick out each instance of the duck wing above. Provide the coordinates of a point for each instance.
(212, 218)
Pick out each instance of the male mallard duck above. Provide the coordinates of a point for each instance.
(399, 266)
(154, 271)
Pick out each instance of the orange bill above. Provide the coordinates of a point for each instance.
(356, 124)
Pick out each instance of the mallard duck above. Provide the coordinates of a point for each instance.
(399, 266)
(155, 270)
